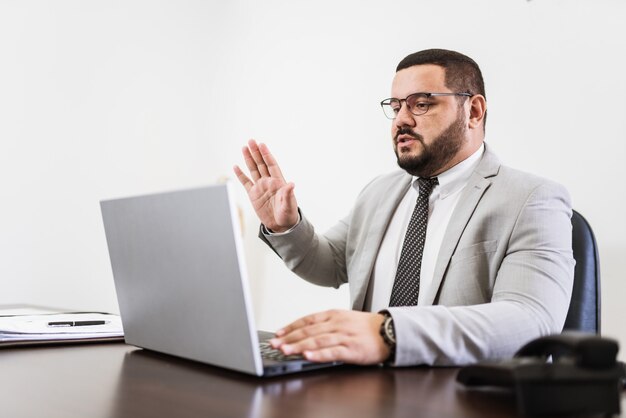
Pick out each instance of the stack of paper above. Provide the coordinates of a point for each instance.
(59, 327)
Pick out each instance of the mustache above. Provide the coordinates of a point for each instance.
(408, 131)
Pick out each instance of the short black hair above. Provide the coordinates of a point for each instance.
(462, 73)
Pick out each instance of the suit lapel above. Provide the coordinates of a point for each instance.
(479, 182)
(385, 208)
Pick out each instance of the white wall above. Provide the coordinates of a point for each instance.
(101, 99)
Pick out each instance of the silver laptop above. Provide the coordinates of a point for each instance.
(181, 280)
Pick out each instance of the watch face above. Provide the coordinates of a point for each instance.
(389, 330)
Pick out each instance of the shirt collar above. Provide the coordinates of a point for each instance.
(455, 178)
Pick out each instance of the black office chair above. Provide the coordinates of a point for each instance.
(584, 308)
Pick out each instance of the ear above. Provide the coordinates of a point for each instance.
(478, 109)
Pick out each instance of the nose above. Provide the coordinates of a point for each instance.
(404, 117)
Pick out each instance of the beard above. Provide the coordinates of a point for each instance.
(434, 156)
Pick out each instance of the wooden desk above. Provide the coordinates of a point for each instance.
(117, 380)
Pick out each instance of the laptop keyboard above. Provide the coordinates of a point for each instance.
(270, 353)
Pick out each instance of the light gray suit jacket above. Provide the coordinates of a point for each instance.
(504, 274)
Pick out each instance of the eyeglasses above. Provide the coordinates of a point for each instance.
(417, 103)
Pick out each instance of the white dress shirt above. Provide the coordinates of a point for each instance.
(442, 202)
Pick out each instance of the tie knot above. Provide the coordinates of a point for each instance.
(426, 185)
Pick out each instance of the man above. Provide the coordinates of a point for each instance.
(480, 265)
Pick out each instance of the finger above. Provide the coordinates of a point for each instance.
(305, 320)
(258, 158)
(317, 342)
(251, 164)
(329, 354)
(270, 161)
(288, 204)
(243, 179)
(301, 335)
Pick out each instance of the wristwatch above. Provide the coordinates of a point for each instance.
(388, 332)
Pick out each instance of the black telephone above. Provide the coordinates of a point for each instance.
(568, 373)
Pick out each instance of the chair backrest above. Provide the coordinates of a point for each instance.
(584, 309)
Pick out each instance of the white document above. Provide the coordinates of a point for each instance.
(60, 327)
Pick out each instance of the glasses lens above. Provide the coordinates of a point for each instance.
(418, 103)
(391, 107)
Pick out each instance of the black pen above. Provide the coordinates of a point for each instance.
(75, 323)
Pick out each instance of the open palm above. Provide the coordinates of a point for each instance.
(272, 197)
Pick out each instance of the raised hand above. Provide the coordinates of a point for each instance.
(272, 197)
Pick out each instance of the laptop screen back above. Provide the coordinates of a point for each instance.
(177, 261)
